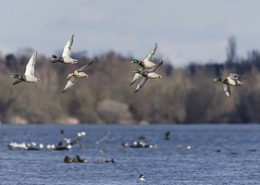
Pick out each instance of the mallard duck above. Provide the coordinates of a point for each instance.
(65, 58)
(73, 77)
(147, 74)
(146, 63)
(232, 79)
(67, 159)
(28, 76)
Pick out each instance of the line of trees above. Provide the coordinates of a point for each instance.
(183, 95)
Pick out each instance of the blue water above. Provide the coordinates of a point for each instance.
(169, 163)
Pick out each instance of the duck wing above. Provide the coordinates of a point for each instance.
(85, 67)
(227, 90)
(17, 81)
(150, 55)
(72, 80)
(67, 48)
(153, 69)
(30, 65)
(137, 76)
(141, 83)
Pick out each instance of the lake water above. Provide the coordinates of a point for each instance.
(196, 154)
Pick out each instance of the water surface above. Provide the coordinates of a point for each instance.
(218, 154)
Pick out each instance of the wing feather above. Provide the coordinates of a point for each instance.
(153, 69)
(141, 83)
(83, 68)
(30, 65)
(150, 55)
(67, 48)
(72, 80)
(136, 77)
(227, 90)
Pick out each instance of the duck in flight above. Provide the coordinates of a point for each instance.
(146, 63)
(147, 74)
(28, 76)
(75, 75)
(65, 58)
(231, 80)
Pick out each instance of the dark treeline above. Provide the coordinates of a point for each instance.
(183, 95)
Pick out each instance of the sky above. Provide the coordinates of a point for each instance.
(185, 30)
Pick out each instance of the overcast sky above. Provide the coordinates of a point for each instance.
(186, 30)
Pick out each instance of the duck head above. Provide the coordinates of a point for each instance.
(135, 61)
(16, 76)
(137, 71)
(218, 79)
(54, 59)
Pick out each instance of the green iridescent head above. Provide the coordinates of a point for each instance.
(16, 76)
(218, 80)
(134, 61)
(137, 71)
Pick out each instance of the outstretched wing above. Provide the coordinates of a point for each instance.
(83, 68)
(153, 69)
(136, 77)
(17, 81)
(30, 65)
(227, 90)
(70, 83)
(67, 48)
(141, 83)
(149, 57)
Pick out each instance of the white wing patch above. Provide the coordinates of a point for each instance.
(30, 65)
(67, 48)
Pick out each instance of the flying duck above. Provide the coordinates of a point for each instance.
(75, 75)
(147, 74)
(65, 58)
(28, 76)
(232, 79)
(146, 63)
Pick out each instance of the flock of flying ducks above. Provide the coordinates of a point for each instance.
(145, 71)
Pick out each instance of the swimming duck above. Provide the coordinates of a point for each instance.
(67, 159)
(142, 177)
(65, 58)
(28, 76)
(232, 79)
(144, 64)
(79, 160)
(147, 74)
(73, 77)
(167, 135)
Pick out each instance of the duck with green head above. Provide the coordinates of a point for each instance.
(144, 64)
(65, 58)
(231, 80)
(147, 61)
(28, 76)
(147, 74)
